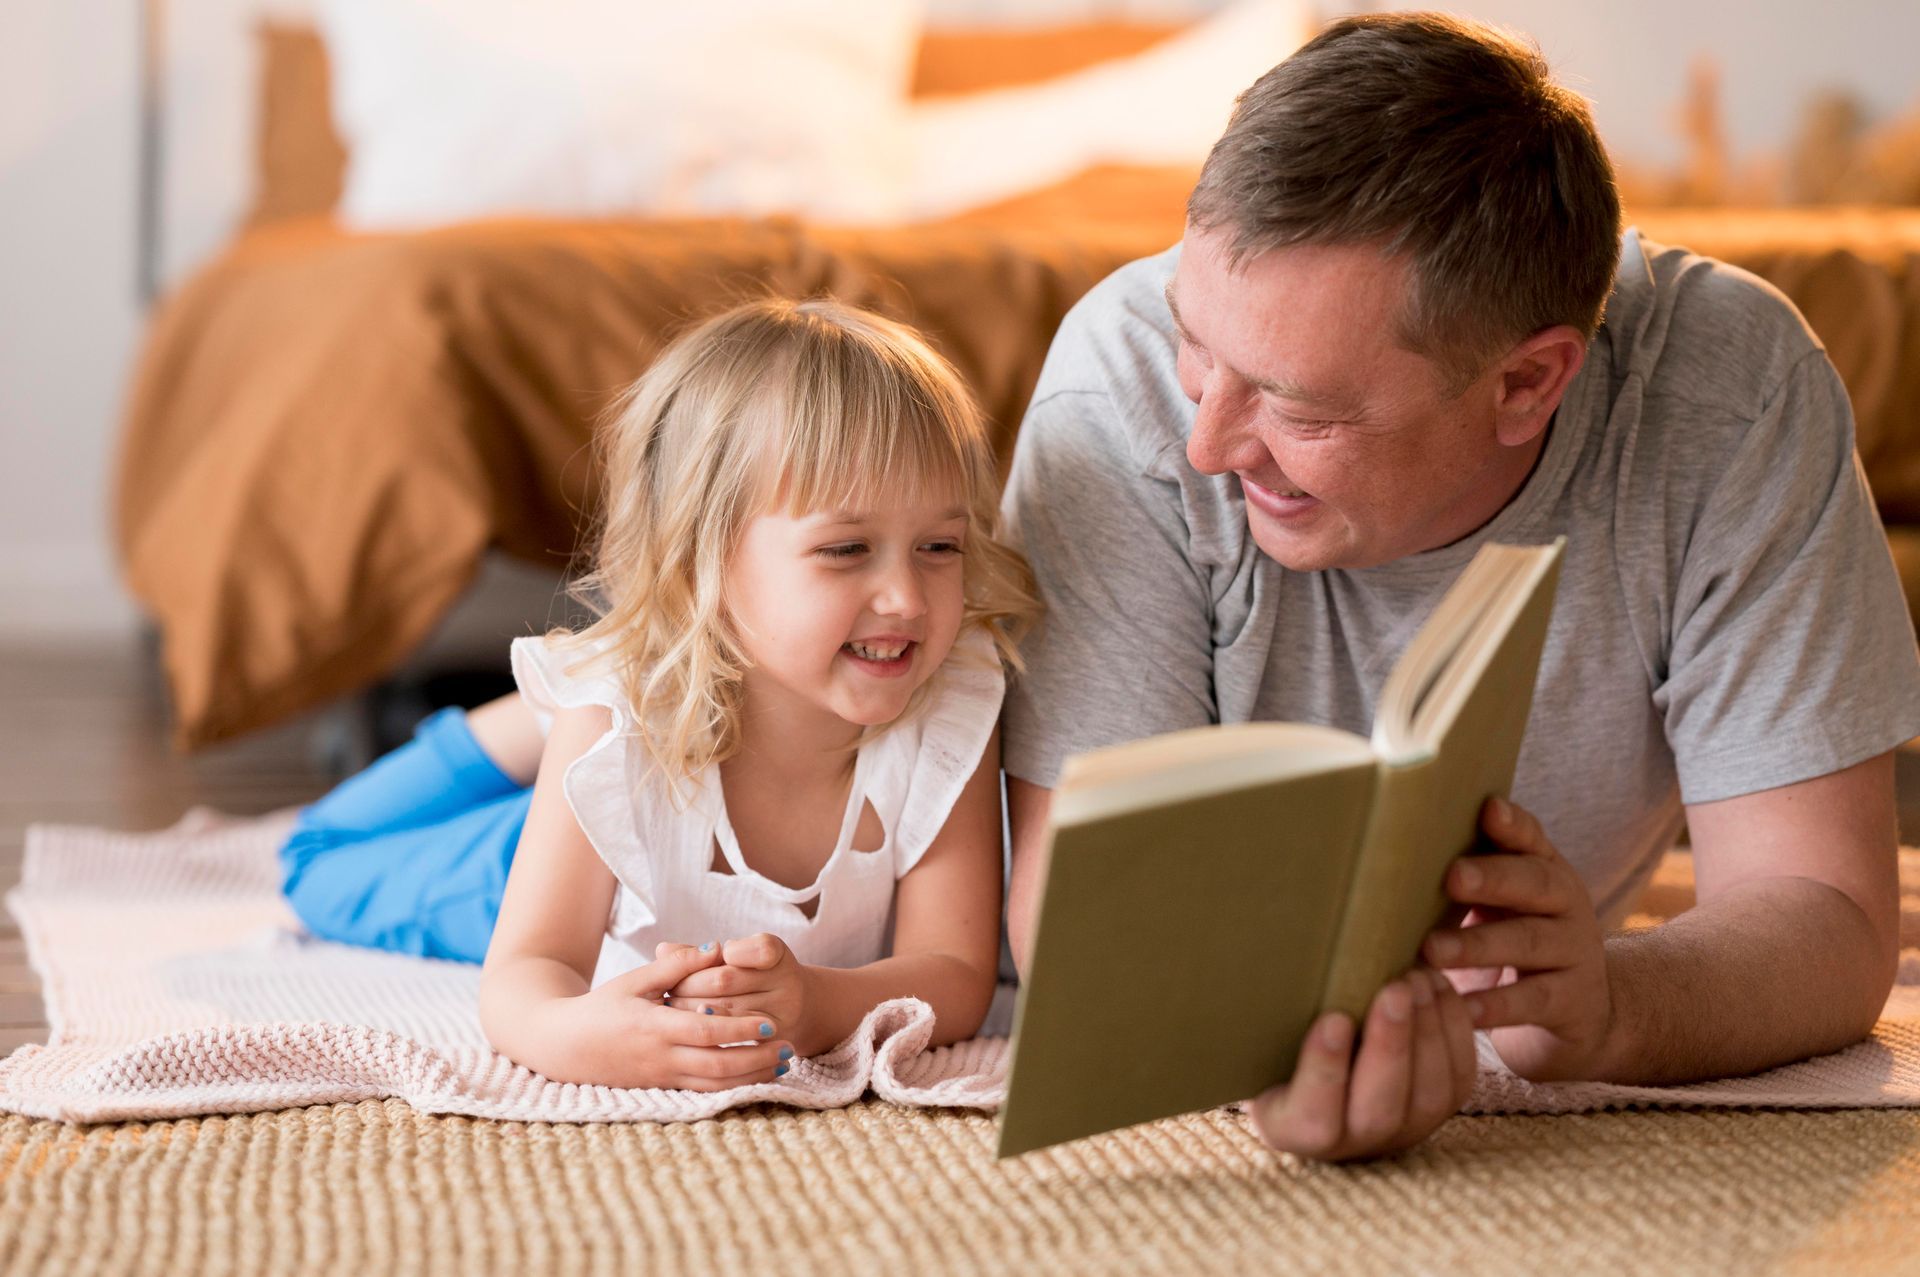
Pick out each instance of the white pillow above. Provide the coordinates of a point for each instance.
(462, 108)
(1166, 105)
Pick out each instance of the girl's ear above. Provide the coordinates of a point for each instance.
(1532, 380)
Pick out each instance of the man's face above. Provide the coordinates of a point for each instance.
(1346, 446)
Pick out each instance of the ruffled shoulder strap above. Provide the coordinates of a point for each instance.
(598, 784)
(953, 733)
(541, 668)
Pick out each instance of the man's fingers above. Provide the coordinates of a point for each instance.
(1527, 942)
(1529, 884)
(1382, 1071)
(1306, 1115)
(1432, 1098)
(1456, 1026)
(1514, 828)
(1529, 1000)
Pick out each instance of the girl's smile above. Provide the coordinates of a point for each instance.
(885, 656)
(845, 613)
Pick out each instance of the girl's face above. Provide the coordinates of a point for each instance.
(844, 613)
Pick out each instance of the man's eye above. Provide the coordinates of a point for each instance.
(847, 551)
(1305, 425)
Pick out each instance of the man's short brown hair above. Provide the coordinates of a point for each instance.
(1440, 139)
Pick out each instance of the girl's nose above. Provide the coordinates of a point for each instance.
(900, 593)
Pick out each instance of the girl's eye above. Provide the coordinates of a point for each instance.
(942, 547)
(847, 551)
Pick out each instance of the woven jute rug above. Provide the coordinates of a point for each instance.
(375, 1187)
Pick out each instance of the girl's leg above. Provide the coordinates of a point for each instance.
(441, 772)
(431, 890)
(508, 733)
(410, 854)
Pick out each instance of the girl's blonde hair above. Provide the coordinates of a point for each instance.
(813, 404)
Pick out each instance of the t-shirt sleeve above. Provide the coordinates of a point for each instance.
(1791, 649)
(1125, 648)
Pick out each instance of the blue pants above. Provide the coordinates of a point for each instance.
(412, 853)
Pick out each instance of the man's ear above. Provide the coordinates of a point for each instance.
(1532, 379)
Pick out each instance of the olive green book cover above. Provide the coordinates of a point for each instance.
(1209, 893)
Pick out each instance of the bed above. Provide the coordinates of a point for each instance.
(330, 432)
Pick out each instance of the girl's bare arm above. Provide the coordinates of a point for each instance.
(536, 1004)
(946, 943)
(558, 895)
(946, 933)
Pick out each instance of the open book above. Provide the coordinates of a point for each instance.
(1209, 893)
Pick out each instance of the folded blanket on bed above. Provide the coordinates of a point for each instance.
(177, 982)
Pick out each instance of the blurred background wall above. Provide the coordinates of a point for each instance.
(70, 315)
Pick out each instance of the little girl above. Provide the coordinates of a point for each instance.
(767, 792)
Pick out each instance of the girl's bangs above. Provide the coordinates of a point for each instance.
(856, 446)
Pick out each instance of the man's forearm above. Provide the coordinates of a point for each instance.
(1027, 807)
(1766, 973)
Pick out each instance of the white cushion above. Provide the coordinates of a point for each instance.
(1164, 106)
(461, 108)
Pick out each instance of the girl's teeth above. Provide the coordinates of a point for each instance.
(877, 654)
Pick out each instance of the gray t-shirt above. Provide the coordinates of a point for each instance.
(1728, 617)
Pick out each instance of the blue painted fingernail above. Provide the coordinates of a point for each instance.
(706, 1010)
(786, 1053)
(707, 947)
(780, 1070)
(766, 1030)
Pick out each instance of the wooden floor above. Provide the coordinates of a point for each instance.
(83, 740)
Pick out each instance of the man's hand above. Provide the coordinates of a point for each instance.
(1414, 1070)
(1531, 951)
(756, 976)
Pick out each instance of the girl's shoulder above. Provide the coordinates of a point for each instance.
(939, 751)
(559, 671)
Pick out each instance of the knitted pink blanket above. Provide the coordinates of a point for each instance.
(177, 983)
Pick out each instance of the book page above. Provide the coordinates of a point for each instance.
(1197, 762)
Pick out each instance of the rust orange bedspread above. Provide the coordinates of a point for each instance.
(327, 432)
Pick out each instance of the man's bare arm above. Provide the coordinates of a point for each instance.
(1027, 806)
(1792, 947)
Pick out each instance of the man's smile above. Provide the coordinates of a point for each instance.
(1280, 503)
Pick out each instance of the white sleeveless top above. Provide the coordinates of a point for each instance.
(662, 854)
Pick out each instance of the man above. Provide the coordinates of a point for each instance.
(1253, 463)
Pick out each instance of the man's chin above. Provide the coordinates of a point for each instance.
(1300, 554)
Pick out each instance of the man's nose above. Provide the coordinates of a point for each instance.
(1221, 440)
